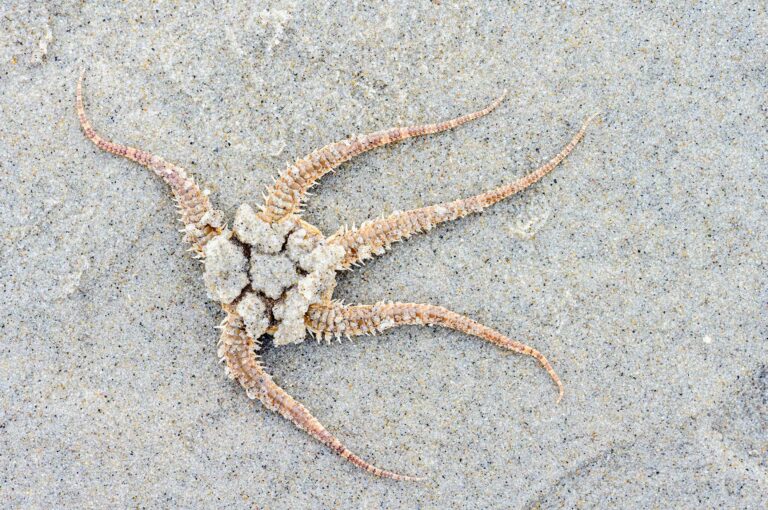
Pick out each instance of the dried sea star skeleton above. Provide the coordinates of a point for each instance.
(275, 273)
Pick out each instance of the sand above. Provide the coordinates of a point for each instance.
(638, 267)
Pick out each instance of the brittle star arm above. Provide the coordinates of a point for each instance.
(237, 349)
(200, 220)
(285, 196)
(333, 320)
(375, 237)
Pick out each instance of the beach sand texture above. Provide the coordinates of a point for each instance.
(638, 267)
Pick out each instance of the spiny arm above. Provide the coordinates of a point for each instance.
(285, 196)
(375, 237)
(236, 348)
(334, 320)
(200, 220)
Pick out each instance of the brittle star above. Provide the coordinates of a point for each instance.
(274, 273)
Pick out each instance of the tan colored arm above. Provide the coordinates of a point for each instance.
(285, 196)
(237, 349)
(333, 320)
(194, 207)
(375, 237)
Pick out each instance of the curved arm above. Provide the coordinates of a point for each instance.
(285, 196)
(200, 220)
(333, 319)
(237, 349)
(375, 237)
